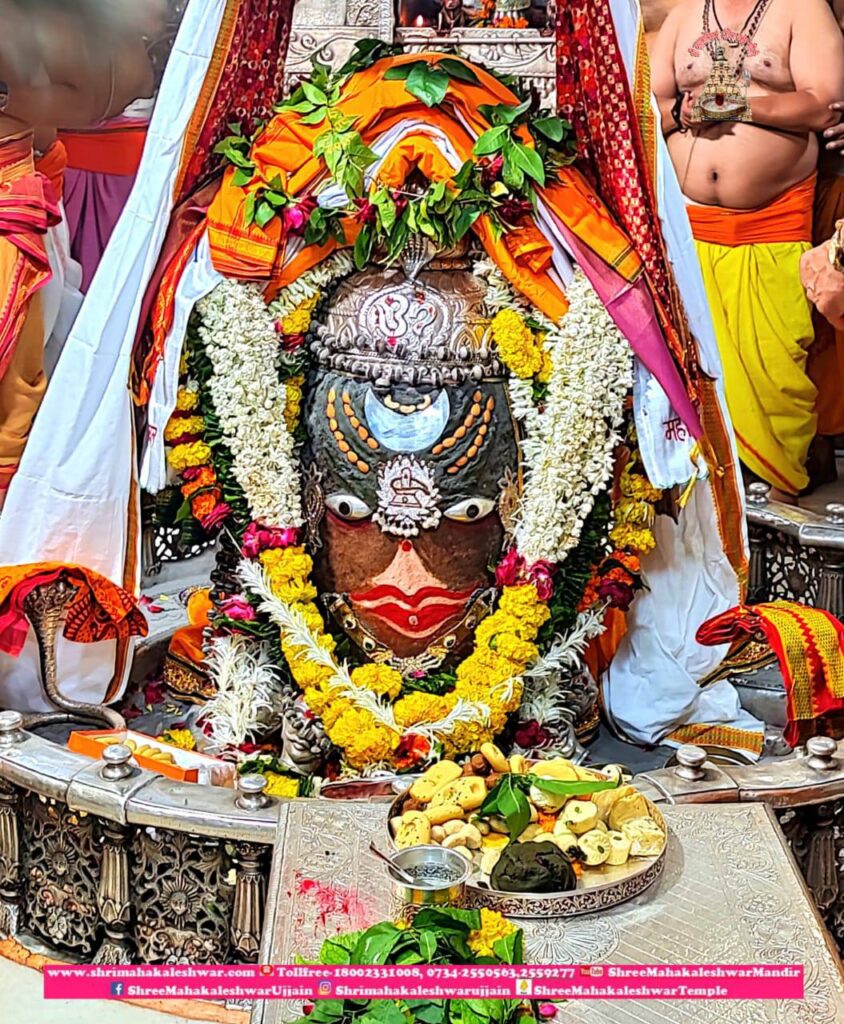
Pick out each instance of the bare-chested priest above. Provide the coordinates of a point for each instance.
(773, 67)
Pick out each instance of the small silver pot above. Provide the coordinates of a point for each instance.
(440, 874)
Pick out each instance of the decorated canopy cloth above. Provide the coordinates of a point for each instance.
(99, 610)
(80, 490)
(809, 645)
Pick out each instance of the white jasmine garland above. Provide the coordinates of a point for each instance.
(240, 337)
(569, 443)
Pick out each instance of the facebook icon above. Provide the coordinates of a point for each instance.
(117, 988)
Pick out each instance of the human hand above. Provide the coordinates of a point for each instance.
(686, 108)
(834, 136)
(824, 284)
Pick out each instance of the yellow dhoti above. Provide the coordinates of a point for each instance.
(750, 260)
(826, 357)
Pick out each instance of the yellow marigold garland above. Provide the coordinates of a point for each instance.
(522, 351)
(490, 676)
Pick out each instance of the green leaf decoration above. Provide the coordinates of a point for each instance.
(580, 787)
(530, 162)
(510, 949)
(363, 246)
(241, 178)
(552, 128)
(492, 140)
(314, 93)
(427, 84)
(457, 69)
(249, 208)
(504, 113)
(376, 943)
(400, 72)
(264, 214)
(315, 117)
(509, 800)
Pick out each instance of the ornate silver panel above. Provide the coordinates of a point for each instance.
(792, 572)
(183, 898)
(61, 867)
(10, 855)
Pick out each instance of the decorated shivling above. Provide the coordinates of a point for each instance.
(400, 363)
(416, 436)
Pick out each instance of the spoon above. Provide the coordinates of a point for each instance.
(403, 875)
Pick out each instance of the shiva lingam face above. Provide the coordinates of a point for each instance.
(414, 459)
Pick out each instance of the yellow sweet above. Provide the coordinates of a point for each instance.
(437, 776)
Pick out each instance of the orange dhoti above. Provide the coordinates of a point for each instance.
(27, 210)
(826, 356)
(750, 260)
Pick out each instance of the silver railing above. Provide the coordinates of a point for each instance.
(109, 863)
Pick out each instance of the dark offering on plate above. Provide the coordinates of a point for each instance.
(533, 868)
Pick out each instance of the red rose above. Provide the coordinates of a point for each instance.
(618, 595)
(216, 518)
(530, 735)
(367, 212)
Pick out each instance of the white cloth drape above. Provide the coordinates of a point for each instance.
(69, 499)
(651, 687)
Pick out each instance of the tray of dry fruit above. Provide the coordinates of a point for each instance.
(545, 838)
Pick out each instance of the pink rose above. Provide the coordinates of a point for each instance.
(297, 214)
(216, 517)
(237, 608)
(541, 574)
(510, 569)
(547, 1011)
(258, 538)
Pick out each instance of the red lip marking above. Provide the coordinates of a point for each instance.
(418, 614)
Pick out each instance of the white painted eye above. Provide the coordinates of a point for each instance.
(347, 506)
(471, 509)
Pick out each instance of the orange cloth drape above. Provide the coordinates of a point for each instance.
(809, 645)
(285, 149)
(100, 610)
(826, 356)
(788, 218)
(108, 150)
(52, 164)
(186, 643)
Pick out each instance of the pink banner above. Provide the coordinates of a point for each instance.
(624, 981)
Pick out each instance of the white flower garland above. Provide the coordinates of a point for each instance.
(569, 444)
(239, 333)
(246, 682)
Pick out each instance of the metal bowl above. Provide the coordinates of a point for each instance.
(440, 879)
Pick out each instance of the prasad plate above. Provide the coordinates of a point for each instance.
(597, 888)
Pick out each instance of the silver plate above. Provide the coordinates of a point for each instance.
(597, 888)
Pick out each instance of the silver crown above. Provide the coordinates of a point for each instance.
(388, 328)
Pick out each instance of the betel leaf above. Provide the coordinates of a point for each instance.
(491, 141)
(383, 1011)
(376, 943)
(338, 949)
(427, 1013)
(264, 214)
(580, 787)
(427, 945)
(428, 84)
(457, 69)
(510, 949)
(509, 800)
(447, 917)
(398, 73)
(552, 128)
(530, 162)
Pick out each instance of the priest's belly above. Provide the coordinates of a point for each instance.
(740, 166)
